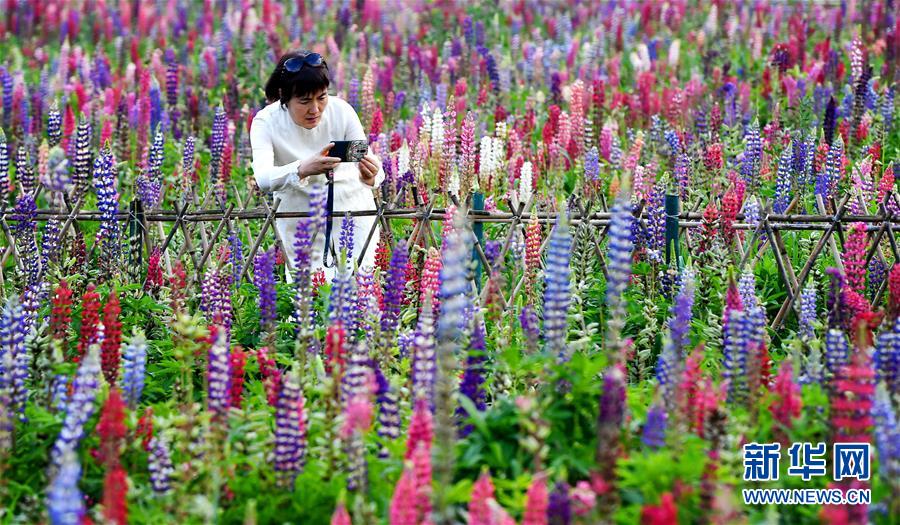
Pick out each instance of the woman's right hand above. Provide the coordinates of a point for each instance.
(318, 163)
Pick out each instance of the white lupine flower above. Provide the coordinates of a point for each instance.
(403, 159)
(674, 51)
(525, 182)
(486, 157)
(453, 184)
(437, 131)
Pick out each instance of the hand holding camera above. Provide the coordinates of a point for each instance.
(318, 164)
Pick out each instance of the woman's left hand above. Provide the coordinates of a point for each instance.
(369, 167)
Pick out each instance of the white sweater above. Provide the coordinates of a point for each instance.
(280, 145)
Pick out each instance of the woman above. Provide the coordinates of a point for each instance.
(291, 137)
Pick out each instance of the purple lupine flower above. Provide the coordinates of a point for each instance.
(472, 384)
(215, 300)
(217, 144)
(751, 216)
(4, 168)
(808, 311)
(50, 242)
(656, 225)
(156, 110)
(354, 382)
(6, 80)
(423, 356)
(833, 167)
(25, 171)
(737, 333)
(134, 363)
(783, 183)
(798, 158)
(159, 463)
(887, 434)
(54, 125)
(619, 254)
(346, 238)
(887, 109)
(342, 303)
(13, 329)
(683, 173)
(877, 272)
(747, 290)
(557, 289)
(187, 161)
(388, 410)
(290, 430)
(559, 507)
(835, 303)
(492, 249)
(830, 122)
(887, 357)
(23, 232)
(81, 163)
(669, 365)
(149, 181)
(611, 416)
(837, 352)
(264, 280)
(218, 376)
(65, 503)
(59, 392)
(394, 286)
(235, 255)
(107, 203)
(673, 142)
(78, 409)
(654, 434)
(752, 153)
(592, 166)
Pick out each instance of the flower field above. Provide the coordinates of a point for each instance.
(624, 245)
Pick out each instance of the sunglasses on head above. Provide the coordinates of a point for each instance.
(292, 65)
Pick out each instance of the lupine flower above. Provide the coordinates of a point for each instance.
(81, 165)
(61, 311)
(656, 225)
(610, 419)
(187, 163)
(238, 360)
(664, 513)
(403, 509)
(149, 181)
(25, 171)
(887, 434)
(557, 290)
(536, 502)
(264, 280)
(423, 356)
(752, 153)
(290, 430)
(90, 319)
(217, 144)
(680, 313)
(808, 311)
(54, 125)
(65, 503)
(473, 377)
(23, 234)
(115, 490)
(108, 204)
(430, 282)
(783, 182)
(340, 516)
(134, 363)
(559, 509)
(342, 304)
(159, 463)
(877, 273)
(389, 412)
(618, 266)
(837, 351)
(887, 357)
(112, 338)
(853, 389)
(78, 410)
(13, 351)
(393, 289)
(218, 375)
(421, 428)
(215, 299)
(654, 434)
(854, 257)
(788, 403)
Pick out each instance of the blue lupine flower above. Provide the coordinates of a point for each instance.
(54, 125)
(388, 410)
(619, 253)
(654, 434)
(346, 238)
(656, 224)
(4, 168)
(752, 153)
(887, 109)
(472, 382)
(342, 303)
(683, 173)
(108, 204)
(217, 144)
(134, 363)
(559, 507)
(887, 434)
(289, 436)
(25, 171)
(24, 214)
(159, 463)
(78, 409)
(264, 280)
(783, 183)
(12, 351)
(218, 377)
(394, 287)
(887, 357)
(81, 165)
(149, 181)
(808, 311)
(837, 352)
(65, 503)
(592, 165)
(557, 289)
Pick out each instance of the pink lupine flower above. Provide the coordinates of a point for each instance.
(536, 502)
(788, 403)
(854, 257)
(479, 502)
(421, 428)
(341, 516)
(421, 459)
(403, 503)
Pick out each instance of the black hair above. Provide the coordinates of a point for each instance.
(284, 85)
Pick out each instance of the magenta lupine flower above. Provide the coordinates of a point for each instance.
(394, 287)
(264, 279)
(290, 430)
(854, 257)
(218, 376)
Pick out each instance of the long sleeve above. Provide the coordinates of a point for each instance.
(353, 130)
(268, 176)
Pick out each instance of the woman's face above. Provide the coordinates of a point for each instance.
(307, 110)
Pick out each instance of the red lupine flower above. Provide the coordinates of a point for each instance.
(709, 226)
(238, 361)
(270, 374)
(90, 318)
(728, 215)
(110, 348)
(115, 492)
(787, 403)
(61, 311)
(334, 350)
(154, 270)
(144, 428)
(178, 287)
(666, 513)
(887, 182)
(318, 281)
(111, 428)
(851, 400)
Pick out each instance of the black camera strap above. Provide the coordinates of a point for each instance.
(329, 211)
